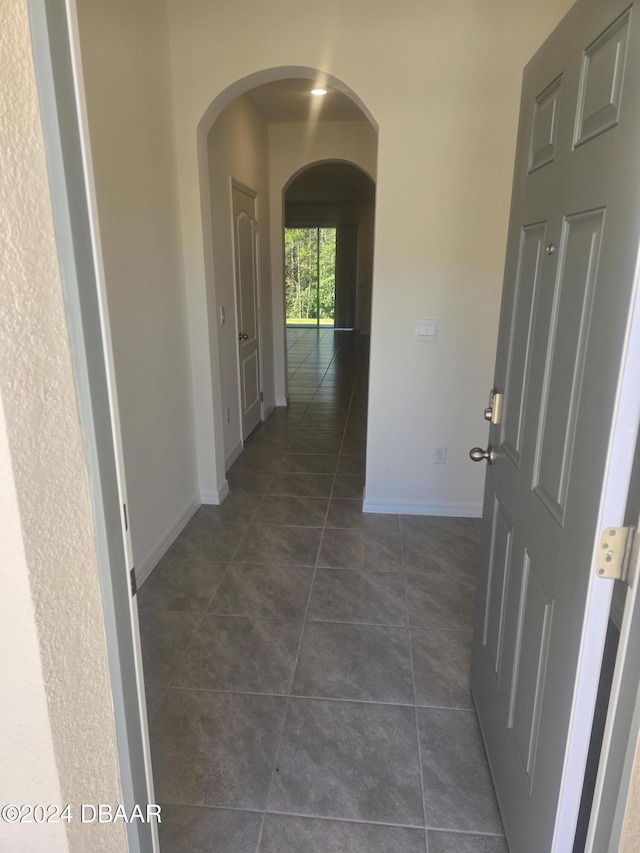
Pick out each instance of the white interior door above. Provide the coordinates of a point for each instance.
(247, 305)
(565, 439)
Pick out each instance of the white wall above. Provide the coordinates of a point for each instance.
(366, 246)
(57, 739)
(291, 148)
(126, 68)
(442, 82)
(237, 147)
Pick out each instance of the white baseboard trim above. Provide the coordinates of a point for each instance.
(215, 498)
(231, 458)
(451, 510)
(268, 409)
(282, 401)
(146, 566)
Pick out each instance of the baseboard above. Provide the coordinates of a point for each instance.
(215, 498)
(231, 458)
(271, 407)
(282, 401)
(146, 566)
(465, 510)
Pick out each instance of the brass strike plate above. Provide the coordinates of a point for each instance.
(496, 408)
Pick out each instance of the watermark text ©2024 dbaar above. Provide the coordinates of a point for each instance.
(82, 812)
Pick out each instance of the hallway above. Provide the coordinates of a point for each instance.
(307, 665)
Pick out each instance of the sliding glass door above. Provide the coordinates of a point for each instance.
(310, 276)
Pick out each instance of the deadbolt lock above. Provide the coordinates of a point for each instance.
(494, 409)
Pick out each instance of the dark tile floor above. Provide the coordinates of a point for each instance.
(307, 665)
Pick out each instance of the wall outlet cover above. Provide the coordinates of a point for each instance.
(439, 455)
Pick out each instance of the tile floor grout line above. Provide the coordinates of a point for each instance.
(184, 654)
(193, 636)
(262, 822)
(352, 820)
(288, 699)
(293, 673)
(218, 585)
(415, 707)
(331, 818)
(333, 485)
(394, 703)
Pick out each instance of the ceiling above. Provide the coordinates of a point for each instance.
(331, 182)
(291, 101)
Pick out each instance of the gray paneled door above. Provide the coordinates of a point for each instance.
(565, 439)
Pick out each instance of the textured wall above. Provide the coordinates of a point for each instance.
(56, 556)
(630, 839)
(25, 740)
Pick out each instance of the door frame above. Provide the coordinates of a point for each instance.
(622, 726)
(235, 184)
(56, 49)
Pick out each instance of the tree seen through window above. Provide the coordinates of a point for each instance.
(310, 276)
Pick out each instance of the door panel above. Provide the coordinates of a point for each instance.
(528, 280)
(532, 645)
(246, 278)
(498, 584)
(570, 280)
(601, 85)
(545, 126)
(573, 300)
(250, 380)
(247, 306)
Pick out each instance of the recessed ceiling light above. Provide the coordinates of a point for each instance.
(318, 91)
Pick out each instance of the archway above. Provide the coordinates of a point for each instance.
(245, 136)
(329, 206)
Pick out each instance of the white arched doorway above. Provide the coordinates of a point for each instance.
(245, 136)
(335, 198)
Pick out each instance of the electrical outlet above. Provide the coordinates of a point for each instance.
(439, 455)
(228, 415)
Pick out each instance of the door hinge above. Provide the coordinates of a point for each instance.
(261, 397)
(134, 585)
(618, 554)
(256, 226)
(126, 520)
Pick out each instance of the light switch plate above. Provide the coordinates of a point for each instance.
(427, 330)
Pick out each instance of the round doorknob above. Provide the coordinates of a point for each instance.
(477, 454)
(242, 337)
